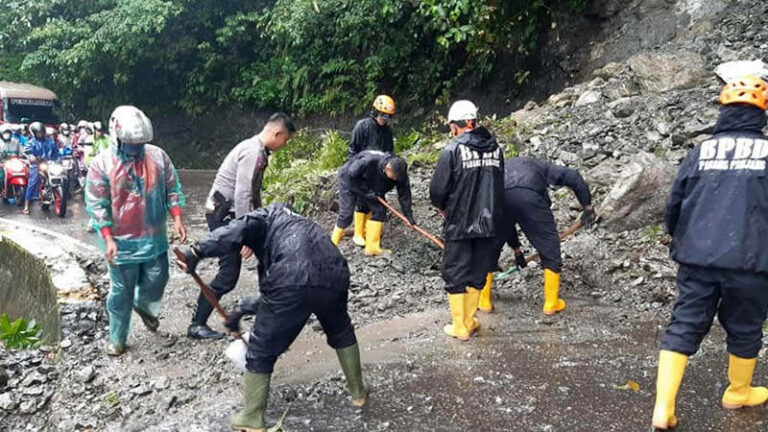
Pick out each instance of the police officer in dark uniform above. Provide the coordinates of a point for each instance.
(467, 188)
(372, 133)
(718, 218)
(368, 175)
(527, 203)
(300, 273)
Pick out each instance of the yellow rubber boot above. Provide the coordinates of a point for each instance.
(670, 375)
(470, 309)
(485, 303)
(373, 239)
(337, 234)
(739, 393)
(457, 329)
(359, 238)
(552, 302)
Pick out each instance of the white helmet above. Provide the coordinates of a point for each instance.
(462, 110)
(82, 124)
(50, 131)
(129, 125)
(5, 128)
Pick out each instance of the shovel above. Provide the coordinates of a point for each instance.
(237, 349)
(563, 235)
(421, 231)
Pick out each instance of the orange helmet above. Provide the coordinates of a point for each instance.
(385, 104)
(749, 90)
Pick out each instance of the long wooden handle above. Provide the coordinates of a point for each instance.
(207, 293)
(419, 230)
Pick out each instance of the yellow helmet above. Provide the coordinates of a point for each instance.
(749, 90)
(384, 104)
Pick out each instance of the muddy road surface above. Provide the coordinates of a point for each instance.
(522, 372)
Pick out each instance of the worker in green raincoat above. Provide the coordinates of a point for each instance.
(130, 189)
(100, 141)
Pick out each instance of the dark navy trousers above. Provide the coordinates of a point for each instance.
(738, 298)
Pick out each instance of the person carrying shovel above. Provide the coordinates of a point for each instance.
(527, 203)
(371, 133)
(467, 189)
(300, 273)
(368, 175)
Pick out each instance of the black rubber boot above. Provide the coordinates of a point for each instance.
(198, 328)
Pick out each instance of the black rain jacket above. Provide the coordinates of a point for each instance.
(717, 212)
(537, 175)
(468, 184)
(292, 250)
(368, 135)
(364, 173)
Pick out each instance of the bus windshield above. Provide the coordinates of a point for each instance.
(33, 109)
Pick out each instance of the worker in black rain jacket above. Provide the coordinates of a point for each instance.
(371, 133)
(368, 175)
(300, 273)
(467, 188)
(717, 215)
(527, 203)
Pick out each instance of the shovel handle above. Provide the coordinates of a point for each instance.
(563, 235)
(207, 293)
(419, 230)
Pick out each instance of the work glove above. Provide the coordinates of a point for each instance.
(520, 260)
(191, 258)
(246, 306)
(587, 217)
(370, 196)
(233, 320)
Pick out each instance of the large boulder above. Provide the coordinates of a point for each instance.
(637, 199)
(665, 71)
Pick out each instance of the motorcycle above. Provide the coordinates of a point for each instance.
(16, 179)
(53, 186)
(69, 162)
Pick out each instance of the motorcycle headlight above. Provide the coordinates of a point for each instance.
(14, 165)
(56, 170)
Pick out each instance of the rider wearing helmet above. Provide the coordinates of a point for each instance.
(40, 148)
(65, 136)
(84, 141)
(9, 146)
(52, 133)
(100, 141)
(372, 133)
(18, 135)
(130, 214)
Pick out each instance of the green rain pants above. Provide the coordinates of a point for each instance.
(134, 285)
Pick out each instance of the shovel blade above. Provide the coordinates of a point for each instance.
(236, 351)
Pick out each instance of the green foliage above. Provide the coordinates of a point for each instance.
(298, 169)
(19, 334)
(425, 158)
(303, 56)
(653, 233)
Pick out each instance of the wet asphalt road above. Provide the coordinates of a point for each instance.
(195, 184)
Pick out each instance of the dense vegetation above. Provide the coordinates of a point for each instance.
(303, 56)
